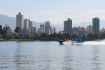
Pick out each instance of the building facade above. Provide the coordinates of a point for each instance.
(42, 28)
(47, 28)
(68, 26)
(96, 24)
(26, 22)
(30, 25)
(19, 21)
(33, 32)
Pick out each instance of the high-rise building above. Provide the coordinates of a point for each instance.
(68, 26)
(33, 32)
(30, 24)
(47, 28)
(19, 21)
(25, 24)
(96, 24)
(42, 28)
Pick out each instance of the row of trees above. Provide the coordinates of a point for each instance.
(53, 37)
(63, 36)
(6, 33)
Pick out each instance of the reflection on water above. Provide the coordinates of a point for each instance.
(18, 57)
(50, 56)
(68, 57)
(96, 58)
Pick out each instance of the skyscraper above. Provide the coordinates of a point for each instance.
(30, 24)
(47, 27)
(25, 24)
(42, 28)
(96, 24)
(68, 26)
(33, 32)
(19, 21)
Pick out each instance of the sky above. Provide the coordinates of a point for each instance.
(55, 11)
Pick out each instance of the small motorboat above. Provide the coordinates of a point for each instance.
(77, 40)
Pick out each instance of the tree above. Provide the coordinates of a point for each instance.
(1, 36)
(15, 35)
(17, 29)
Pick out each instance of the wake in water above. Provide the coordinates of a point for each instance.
(99, 42)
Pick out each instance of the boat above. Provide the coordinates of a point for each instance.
(69, 42)
(77, 40)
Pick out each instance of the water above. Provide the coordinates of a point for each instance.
(51, 56)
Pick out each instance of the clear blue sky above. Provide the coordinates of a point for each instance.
(55, 11)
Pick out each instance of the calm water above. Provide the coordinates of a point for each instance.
(50, 56)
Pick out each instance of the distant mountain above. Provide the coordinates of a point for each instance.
(10, 21)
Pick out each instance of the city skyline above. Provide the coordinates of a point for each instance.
(52, 34)
(24, 29)
(55, 11)
(61, 25)
(24, 26)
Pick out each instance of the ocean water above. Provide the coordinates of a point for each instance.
(52, 56)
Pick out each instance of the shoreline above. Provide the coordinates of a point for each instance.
(32, 40)
(25, 40)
